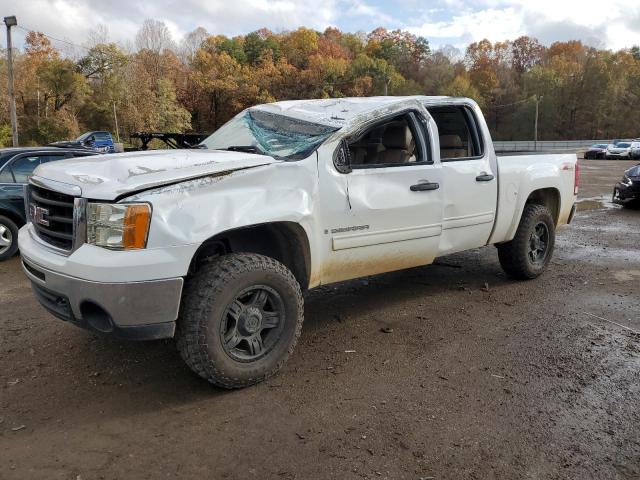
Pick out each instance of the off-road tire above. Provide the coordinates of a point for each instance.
(514, 257)
(12, 230)
(206, 297)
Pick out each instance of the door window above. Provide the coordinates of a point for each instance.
(23, 167)
(459, 134)
(395, 142)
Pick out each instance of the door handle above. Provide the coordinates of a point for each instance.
(484, 177)
(424, 186)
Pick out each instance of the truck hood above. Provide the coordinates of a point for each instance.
(110, 177)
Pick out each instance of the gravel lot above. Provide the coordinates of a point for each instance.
(481, 377)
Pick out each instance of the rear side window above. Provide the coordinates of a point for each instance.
(460, 137)
(102, 136)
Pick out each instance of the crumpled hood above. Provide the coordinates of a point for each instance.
(107, 177)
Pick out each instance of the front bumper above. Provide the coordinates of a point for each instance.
(624, 193)
(143, 310)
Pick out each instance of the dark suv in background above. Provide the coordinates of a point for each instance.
(16, 164)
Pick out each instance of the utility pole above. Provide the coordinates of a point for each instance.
(115, 117)
(535, 125)
(11, 22)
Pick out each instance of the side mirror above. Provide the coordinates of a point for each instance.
(342, 158)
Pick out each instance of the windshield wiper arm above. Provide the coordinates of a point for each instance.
(245, 148)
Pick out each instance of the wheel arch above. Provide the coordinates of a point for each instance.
(286, 242)
(13, 216)
(548, 197)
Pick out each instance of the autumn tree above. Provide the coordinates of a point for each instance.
(207, 78)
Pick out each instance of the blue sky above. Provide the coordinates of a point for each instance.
(610, 24)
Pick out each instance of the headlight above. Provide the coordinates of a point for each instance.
(118, 226)
(626, 180)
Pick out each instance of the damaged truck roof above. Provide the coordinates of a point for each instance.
(115, 176)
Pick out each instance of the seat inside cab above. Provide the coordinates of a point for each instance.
(454, 133)
(388, 144)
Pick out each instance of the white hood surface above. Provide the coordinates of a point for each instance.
(107, 177)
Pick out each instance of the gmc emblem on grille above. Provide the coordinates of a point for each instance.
(38, 214)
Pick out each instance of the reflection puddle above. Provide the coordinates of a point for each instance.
(590, 205)
(594, 203)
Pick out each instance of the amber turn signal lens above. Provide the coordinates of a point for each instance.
(136, 226)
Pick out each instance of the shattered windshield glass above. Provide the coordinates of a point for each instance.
(271, 134)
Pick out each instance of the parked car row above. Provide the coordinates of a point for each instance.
(620, 150)
(16, 165)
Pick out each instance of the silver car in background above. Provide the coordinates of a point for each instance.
(621, 150)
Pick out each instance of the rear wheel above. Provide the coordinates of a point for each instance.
(241, 318)
(528, 254)
(8, 238)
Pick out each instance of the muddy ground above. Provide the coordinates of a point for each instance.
(481, 377)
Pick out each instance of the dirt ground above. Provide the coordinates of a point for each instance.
(481, 377)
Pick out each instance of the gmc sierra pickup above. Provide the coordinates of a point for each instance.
(215, 246)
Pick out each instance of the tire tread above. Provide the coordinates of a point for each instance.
(206, 284)
(513, 254)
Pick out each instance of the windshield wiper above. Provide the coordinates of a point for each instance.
(244, 148)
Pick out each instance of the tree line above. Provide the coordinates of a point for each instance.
(197, 85)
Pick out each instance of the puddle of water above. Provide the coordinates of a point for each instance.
(590, 205)
(626, 275)
(595, 203)
(568, 250)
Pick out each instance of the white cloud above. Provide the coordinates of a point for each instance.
(493, 24)
(613, 23)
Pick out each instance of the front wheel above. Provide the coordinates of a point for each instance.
(528, 254)
(8, 238)
(241, 318)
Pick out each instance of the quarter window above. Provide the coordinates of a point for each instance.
(6, 176)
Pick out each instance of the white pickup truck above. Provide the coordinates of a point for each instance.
(216, 245)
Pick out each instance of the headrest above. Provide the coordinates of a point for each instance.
(397, 137)
(450, 141)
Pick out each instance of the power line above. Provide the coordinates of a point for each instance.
(510, 104)
(26, 29)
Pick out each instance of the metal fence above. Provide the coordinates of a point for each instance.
(546, 146)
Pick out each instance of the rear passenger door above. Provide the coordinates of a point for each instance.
(470, 186)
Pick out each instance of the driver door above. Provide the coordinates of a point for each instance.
(387, 211)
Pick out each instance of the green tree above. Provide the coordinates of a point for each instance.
(170, 116)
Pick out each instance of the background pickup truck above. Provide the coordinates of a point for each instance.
(215, 245)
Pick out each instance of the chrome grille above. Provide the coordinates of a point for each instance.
(51, 214)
